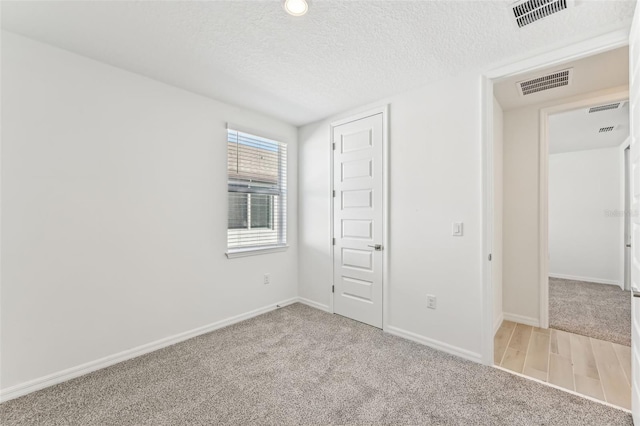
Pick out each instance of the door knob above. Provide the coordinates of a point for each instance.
(376, 247)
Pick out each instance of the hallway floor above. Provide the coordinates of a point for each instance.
(589, 366)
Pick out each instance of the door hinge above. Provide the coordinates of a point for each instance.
(490, 257)
(333, 289)
(334, 146)
(334, 242)
(334, 193)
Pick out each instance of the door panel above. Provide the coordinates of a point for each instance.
(357, 219)
(634, 100)
(357, 198)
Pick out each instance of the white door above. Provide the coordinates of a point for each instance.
(357, 219)
(634, 111)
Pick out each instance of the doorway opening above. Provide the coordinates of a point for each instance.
(539, 141)
(583, 152)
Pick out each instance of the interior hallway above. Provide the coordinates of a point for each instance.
(589, 366)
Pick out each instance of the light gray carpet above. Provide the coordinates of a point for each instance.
(600, 311)
(298, 365)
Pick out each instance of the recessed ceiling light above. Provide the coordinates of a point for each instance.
(296, 7)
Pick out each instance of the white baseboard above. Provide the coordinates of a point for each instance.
(314, 304)
(89, 367)
(586, 279)
(498, 323)
(80, 370)
(521, 319)
(435, 344)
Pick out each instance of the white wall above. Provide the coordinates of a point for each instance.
(114, 216)
(435, 179)
(520, 222)
(497, 252)
(585, 227)
(521, 275)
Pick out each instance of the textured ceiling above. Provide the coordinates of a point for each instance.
(340, 55)
(577, 130)
(598, 72)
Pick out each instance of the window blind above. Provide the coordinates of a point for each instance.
(257, 181)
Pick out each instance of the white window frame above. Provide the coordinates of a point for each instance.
(281, 233)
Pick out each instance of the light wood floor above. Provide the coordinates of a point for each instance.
(588, 366)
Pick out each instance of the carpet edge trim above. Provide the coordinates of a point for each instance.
(569, 391)
(435, 344)
(58, 377)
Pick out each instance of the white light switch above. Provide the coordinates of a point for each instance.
(457, 229)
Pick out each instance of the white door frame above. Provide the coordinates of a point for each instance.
(543, 214)
(623, 208)
(593, 46)
(384, 110)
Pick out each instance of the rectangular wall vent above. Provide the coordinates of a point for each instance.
(605, 107)
(545, 82)
(529, 11)
(606, 129)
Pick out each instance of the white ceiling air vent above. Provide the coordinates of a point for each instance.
(606, 129)
(605, 107)
(529, 11)
(545, 82)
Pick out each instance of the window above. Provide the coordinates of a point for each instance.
(257, 181)
(250, 211)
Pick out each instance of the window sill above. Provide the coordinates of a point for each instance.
(254, 251)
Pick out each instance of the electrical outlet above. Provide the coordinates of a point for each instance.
(267, 279)
(431, 301)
